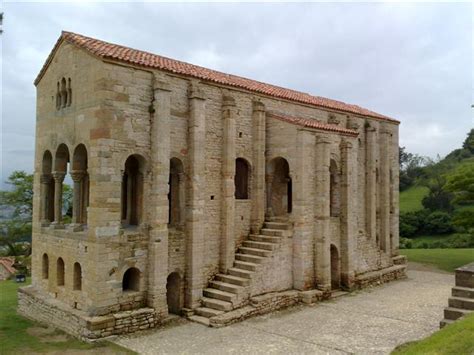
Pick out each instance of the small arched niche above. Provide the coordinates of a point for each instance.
(131, 280)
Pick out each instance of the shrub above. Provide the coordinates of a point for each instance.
(423, 222)
(437, 223)
(405, 243)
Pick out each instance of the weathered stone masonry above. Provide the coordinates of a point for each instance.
(199, 193)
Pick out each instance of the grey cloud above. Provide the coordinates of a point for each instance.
(408, 61)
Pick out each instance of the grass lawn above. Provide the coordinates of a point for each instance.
(425, 241)
(410, 199)
(19, 335)
(456, 338)
(444, 259)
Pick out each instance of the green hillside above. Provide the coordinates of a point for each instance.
(410, 199)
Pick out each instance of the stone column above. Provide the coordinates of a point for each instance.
(303, 212)
(160, 169)
(322, 210)
(371, 183)
(77, 178)
(195, 205)
(227, 243)
(58, 177)
(348, 211)
(258, 171)
(182, 200)
(45, 181)
(394, 185)
(384, 184)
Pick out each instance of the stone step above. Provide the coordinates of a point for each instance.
(249, 258)
(455, 313)
(272, 232)
(258, 245)
(225, 286)
(264, 238)
(245, 265)
(253, 251)
(464, 276)
(338, 293)
(216, 304)
(458, 291)
(277, 225)
(461, 302)
(218, 294)
(445, 322)
(399, 260)
(199, 319)
(235, 280)
(240, 272)
(207, 312)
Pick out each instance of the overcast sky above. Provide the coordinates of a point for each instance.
(412, 62)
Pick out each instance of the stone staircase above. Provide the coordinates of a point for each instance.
(461, 302)
(232, 290)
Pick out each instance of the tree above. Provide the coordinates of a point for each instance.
(19, 201)
(461, 183)
(469, 142)
(411, 168)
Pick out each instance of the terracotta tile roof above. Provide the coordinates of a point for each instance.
(310, 123)
(7, 263)
(136, 57)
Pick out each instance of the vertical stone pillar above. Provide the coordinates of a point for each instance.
(348, 211)
(58, 177)
(384, 186)
(227, 243)
(182, 200)
(195, 206)
(160, 170)
(371, 183)
(258, 171)
(394, 185)
(77, 178)
(322, 210)
(45, 180)
(303, 212)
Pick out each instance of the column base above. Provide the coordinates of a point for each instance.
(45, 223)
(57, 225)
(76, 227)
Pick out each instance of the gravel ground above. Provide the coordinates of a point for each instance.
(372, 321)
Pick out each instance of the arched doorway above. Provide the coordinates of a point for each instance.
(279, 188)
(173, 293)
(335, 268)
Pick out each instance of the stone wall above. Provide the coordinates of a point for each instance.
(34, 305)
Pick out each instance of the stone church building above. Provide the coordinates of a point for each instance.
(199, 193)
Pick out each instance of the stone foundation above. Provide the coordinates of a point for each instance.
(379, 277)
(35, 306)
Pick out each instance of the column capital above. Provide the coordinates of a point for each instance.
(46, 178)
(345, 144)
(332, 119)
(159, 85)
(352, 124)
(58, 176)
(258, 106)
(77, 175)
(195, 91)
(369, 127)
(228, 101)
(323, 140)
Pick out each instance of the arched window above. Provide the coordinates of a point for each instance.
(64, 99)
(61, 162)
(176, 193)
(47, 189)
(242, 172)
(132, 190)
(131, 280)
(69, 92)
(334, 192)
(80, 178)
(77, 277)
(58, 97)
(45, 266)
(60, 272)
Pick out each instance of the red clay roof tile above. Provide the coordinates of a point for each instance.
(310, 123)
(119, 53)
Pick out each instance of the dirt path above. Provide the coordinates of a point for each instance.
(372, 321)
